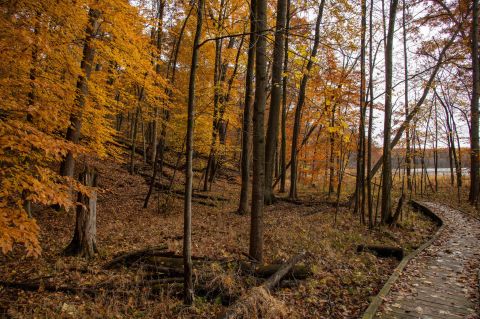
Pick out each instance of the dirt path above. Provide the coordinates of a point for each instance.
(441, 282)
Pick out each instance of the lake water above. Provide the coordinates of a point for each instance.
(440, 171)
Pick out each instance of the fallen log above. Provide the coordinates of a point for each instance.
(128, 258)
(154, 257)
(310, 203)
(259, 297)
(174, 264)
(296, 272)
(382, 251)
(157, 272)
(91, 290)
(36, 286)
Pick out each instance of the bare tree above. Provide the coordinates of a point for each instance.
(421, 100)
(187, 217)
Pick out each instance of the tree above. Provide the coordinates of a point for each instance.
(387, 156)
(187, 217)
(157, 32)
(301, 102)
(360, 180)
(371, 63)
(258, 183)
(408, 159)
(474, 139)
(218, 79)
(245, 161)
(275, 98)
(283, 145)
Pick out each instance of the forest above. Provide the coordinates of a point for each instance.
(239, 158)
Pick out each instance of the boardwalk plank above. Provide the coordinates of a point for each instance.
(435, 283)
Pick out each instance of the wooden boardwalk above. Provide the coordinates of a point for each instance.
(441, 282)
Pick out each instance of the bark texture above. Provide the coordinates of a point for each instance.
(258, 183)
(84, 243)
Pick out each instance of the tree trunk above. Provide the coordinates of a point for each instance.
(283, 146)
(187, 217)
(275, 98)
(408, 159)
(474, 139)
(456, 151)
(450, 157)
(157, 38)
(84, 242)
(218, 77)
(301, 102)
(73, 132)
(370, 120)
(331, 165)
(245, 163)
(435, 150)
(387, 160)
(450, 139)
(459, 155)
(360, 180)
(134, 136)
(258, 183)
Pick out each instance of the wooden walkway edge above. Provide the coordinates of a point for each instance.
(377, 300)
(440, 279)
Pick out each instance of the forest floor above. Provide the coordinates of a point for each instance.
(340, 286)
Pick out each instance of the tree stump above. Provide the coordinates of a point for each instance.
(84, 243)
